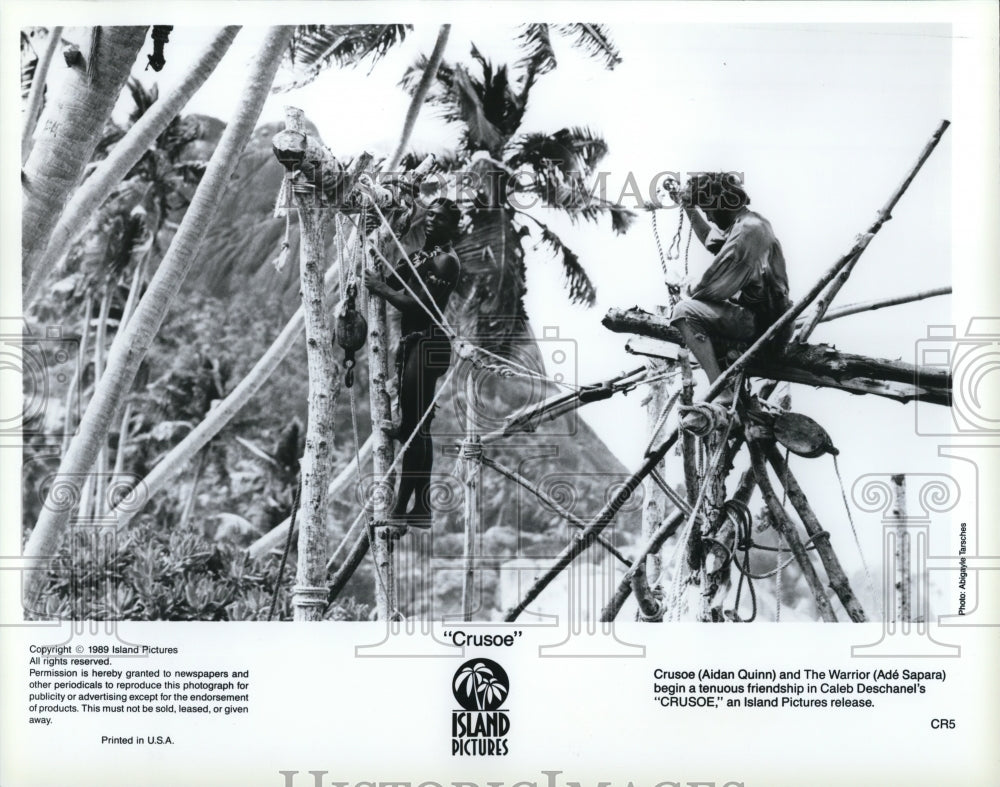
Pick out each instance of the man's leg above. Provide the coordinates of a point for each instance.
(697, 321)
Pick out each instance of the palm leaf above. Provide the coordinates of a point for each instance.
(581, 288)
(314, 48)
(539, 56)
(594, 40)
(574, 151)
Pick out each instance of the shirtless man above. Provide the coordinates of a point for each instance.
(424, 351)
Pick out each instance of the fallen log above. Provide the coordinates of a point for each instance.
(819, 365)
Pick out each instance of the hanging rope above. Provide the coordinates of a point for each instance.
(854, 532)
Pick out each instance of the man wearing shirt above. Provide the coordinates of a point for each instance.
(745, 288)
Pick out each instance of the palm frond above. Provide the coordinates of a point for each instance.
(314, 48)
(539, 56)
(581, 288)
(470, 109)
(594, 40)
(573, 151)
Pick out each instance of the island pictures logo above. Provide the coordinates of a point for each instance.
(480, 728)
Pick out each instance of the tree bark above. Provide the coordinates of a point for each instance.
(131, 344)
(786, 527)
(834, 571)
(382, 454)
(38, 91)
(309, 593)
(819, 365)
(70, 127)
(123, 157)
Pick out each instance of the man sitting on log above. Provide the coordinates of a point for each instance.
(424, 351)
(745, 288)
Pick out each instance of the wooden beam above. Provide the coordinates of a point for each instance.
(819, 365)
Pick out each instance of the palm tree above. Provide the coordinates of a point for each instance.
(70, 127)
(475, 680)
(314, 48)
(147, 126)
(132, 343)
(551, 170)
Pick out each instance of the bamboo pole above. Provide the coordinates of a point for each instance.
(473, 481)
(904, 586)
(309, 593)
(884, 215)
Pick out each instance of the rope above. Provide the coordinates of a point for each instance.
(661, 419)
(857, 541)
(675, 605)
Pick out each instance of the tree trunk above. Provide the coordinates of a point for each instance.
(38, 91)
(70, 127)
(309, 594)
(426, 80)
(382, 454)
(131, 344)
(123, 157)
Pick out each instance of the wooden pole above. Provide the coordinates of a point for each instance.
(689, 444)
(473, 481)
(882, 303)
(786, 527)
(903, 580)
(309, 593)
(383, 547)
(824, 301)
(655, 499)
(834, 571)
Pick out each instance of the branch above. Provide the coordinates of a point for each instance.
(883, 216)
(838, 577)
(818, 365)
(787, 528)
(881, 303)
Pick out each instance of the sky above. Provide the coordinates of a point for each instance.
(823, 120)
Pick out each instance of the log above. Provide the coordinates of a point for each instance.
(818, 365)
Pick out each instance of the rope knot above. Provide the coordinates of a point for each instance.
(702, 418)
(472, 449)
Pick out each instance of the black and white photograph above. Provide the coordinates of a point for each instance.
(358, 375)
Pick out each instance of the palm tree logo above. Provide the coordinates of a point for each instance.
(480, 685)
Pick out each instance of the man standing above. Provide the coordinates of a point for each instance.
(424, 352)
(745, 288)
